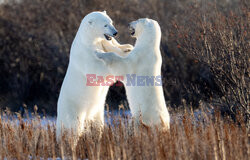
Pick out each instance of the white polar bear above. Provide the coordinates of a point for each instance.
(147, 103)
(77, 102)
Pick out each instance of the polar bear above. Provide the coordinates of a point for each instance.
(147, 103)
(77, 102)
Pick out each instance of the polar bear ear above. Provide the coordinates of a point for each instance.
(104, 12)
(146, 20)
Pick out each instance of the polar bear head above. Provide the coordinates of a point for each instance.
(144, 25)
(99, 25)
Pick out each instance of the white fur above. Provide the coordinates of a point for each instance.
(77, 102)
(147, 103)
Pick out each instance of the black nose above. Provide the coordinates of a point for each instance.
(115, 33)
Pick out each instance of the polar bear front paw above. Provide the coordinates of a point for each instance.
(105, 57)
(127, 48)
(99, 54)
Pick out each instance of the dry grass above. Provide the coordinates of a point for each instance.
(206, 136)
(205, 49)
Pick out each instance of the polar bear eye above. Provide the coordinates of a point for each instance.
(106, 25)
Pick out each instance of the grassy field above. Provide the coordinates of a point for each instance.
(205, 50)
(192, 136)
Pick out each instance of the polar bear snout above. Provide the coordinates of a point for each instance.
(131, 27)
(114, 34)
(110, 32)
(131, 30)
(113, 31)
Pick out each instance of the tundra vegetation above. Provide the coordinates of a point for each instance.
(192, 136)
(205, 50)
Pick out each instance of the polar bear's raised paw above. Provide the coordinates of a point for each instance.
(127, 48)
